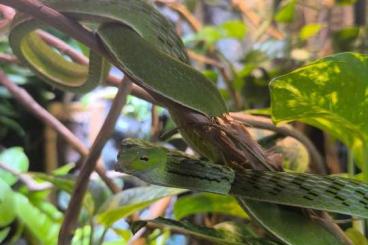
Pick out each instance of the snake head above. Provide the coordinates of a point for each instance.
(139, 156)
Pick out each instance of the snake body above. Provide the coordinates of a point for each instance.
(137, 15)
(158, 165)
(136, 37)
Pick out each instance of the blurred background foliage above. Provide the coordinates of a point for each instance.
(240, 46)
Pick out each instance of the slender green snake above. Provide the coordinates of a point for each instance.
(146, 48)
(158, 165)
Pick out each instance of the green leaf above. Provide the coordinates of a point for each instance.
(66, 183)
(286, 13)
(160, 73)
(344, 39)
(295, 155)
(16, 159)
(132, 200)
(7, 202)
(12, 124)
(124, 234)
(309, 31)
(205, 203)
(289, 225)
(330, 94)
(356, 237)
(345, 2)
(4, 233)
(221, 234)
(233, 29)
(211, 34)
(39, 224)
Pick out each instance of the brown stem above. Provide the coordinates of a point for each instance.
(32, 106)
(184, 12)
(8, 58)
(254, 19)
(26, 179)
(7, 16)
(73, 210)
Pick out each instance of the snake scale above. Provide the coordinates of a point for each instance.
(160, 64)
(158, 165)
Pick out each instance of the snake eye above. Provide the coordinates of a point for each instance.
(144, 158)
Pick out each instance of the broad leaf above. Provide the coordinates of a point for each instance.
(330, 94)
(132, 200)
(39, 224)
(160, 73)
(286, 12)
(7, 213)
(290, 225)
(220, 234)
(356, 237)
(206, 203)
(16, 159)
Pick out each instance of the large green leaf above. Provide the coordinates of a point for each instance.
(330, 94)
(160, 73)
(290, 225)
(227, 233)
(131, 201)
(205, 203)
(16, 159)
(287, 12)
(7, 213)
(38, 223)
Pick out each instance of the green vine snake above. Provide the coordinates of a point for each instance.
(158, 165)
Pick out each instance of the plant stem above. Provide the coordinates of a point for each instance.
(75, 204)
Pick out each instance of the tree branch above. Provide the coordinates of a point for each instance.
(73, 210)
(42, 114)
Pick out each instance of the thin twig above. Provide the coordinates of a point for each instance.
(73, 210)
(204, 59)
(7, 16)
(155, 124)
(264, 123)
(254, 19)
(26, 179)
(184, 12)
(8, 58)
(43, 115)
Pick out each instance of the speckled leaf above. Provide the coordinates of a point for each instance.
(330, 94)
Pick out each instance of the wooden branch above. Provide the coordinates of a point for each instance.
(75, 204)
(43, 115)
